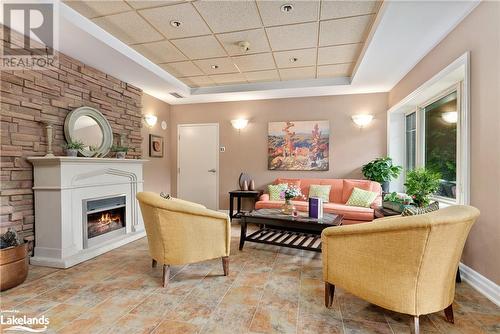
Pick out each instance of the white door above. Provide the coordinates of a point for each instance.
(198, 164)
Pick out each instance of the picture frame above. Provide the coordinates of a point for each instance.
(156, 146)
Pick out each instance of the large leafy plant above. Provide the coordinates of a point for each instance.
(420, 184)
(381, 170)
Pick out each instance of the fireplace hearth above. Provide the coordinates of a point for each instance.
(103, 219)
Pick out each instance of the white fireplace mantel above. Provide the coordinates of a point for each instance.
(61, 185)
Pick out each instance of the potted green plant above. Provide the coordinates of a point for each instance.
(72, 148)
(121, 151)
(397, 201)
(381, 170)
(13, 260)
(420, 184)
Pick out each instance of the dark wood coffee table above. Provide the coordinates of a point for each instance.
(278, 229)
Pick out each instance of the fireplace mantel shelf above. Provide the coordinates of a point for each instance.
(62, 159)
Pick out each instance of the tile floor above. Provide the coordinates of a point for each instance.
(269, 290)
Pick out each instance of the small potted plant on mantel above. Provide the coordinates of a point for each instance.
(381, 170)
(121, 151)
(72, 148)
(420, 184)
(13, 260)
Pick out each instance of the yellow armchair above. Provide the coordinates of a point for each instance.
(404, 264)
(181, 232)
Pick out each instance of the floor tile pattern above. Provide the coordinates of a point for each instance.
(269, 290)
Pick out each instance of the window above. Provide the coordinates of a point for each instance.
(411, 140)
(440, 142)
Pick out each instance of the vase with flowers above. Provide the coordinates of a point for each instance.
(288, 194)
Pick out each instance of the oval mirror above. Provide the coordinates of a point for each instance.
(89, 126)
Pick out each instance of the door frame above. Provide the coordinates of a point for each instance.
(179, 126)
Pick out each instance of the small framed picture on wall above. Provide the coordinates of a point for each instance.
(155, 146)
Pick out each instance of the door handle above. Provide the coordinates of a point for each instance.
(213, 170)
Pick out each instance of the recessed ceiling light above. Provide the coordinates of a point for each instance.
(214, 67)
(293, 59)
(175, 24)
(287, 8)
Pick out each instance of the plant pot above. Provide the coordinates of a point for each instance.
(13, 266)
(288, 208)
(121, 155)
(71, 152)
(385, 187)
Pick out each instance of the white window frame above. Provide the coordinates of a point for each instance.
(463, 124)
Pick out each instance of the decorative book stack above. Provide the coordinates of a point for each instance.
(315, 207)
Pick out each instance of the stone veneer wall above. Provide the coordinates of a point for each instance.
(31, 97)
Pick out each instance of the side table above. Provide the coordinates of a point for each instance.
(239, 194)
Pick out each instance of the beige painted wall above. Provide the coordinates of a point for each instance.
(246, 151)
(156, 170)
(479, 33)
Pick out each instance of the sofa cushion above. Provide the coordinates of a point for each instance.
(275, 191)
(320, 191)
(349, 185)
(362, 198)
(349, 212)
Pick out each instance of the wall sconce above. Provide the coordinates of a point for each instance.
(239, 124)
(362, 120)
(150, 120)
(450, 117)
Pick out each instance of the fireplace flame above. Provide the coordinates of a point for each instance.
(107, 218)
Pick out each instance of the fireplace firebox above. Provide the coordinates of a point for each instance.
(103, 219)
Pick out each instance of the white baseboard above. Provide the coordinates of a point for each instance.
(489, 289)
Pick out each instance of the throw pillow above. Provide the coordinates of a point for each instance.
(349, 185)
(362, 198)
(275, 191)
(320, 191)
(164, 195)
(414, 210)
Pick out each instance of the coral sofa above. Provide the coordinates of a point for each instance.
(339, 194)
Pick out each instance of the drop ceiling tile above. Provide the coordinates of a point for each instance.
(298, 73)
(303, 11)
(191, 22)
(200, 81)
(200, 47)
(128, 27)
(225, 16)
(338, 9)
(338, 70)
(256, 37)
(344, 31)
(347, 53)
(260, 76)
(138, 4)
(182, 69)
(305, 57)
(297, 36)
(93, 9)
(224, 79)
(257, 62)
(159, 52)
(225, 65)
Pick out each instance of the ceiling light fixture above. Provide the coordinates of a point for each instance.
(450, 117)
(293, 59)
(214, 67)
(175, 24)
(362, 120)
(287, 8)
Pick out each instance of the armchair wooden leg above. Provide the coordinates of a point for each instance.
(166, 274)
(153, 263)
(417, 325)
(225, 265)
(448, 312)
(329, 293)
